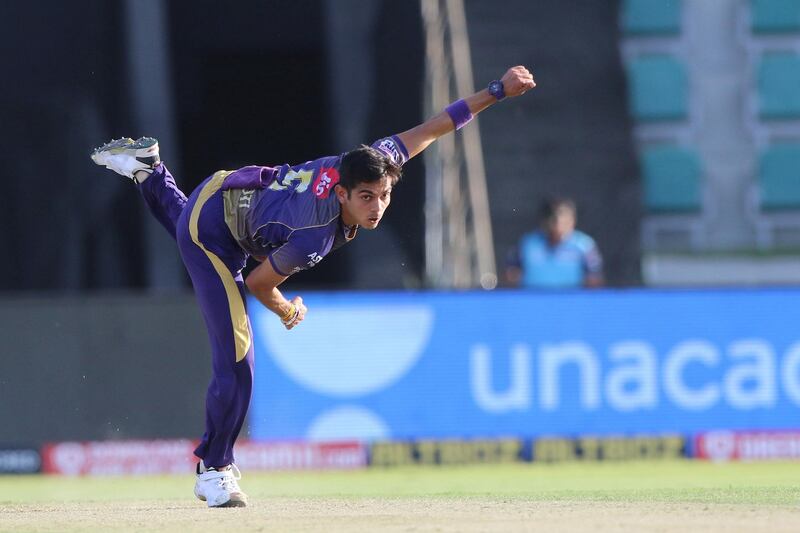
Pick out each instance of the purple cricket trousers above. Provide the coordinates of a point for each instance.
(214, 261)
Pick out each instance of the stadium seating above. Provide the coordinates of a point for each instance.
(653, 52)
(682, 194)
(671, 177)
(773, 45)
(672, 197)
(779, 85)
(776, 196)
(774, 16)
(651, 17)
(779, 177)
(658, 88)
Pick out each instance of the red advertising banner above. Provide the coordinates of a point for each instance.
(254, 455)
(119, 457)
(748, 445)
(176, 457)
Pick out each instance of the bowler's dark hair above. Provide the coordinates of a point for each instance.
(366, 165)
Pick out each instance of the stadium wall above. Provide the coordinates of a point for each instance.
(101, 367)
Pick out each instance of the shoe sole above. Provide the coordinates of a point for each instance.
(142, 148)
(230, 503)
(123, 142)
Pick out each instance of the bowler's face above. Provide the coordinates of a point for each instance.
(366, 203)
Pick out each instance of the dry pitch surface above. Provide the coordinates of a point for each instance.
(675, 496)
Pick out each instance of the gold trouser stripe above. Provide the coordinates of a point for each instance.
(241, 333)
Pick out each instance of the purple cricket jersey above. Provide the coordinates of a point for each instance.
(288, 214)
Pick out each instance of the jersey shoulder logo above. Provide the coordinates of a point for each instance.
(389, 147)
(326, 179)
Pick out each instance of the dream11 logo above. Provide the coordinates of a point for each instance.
(326, 179)
(347, 367)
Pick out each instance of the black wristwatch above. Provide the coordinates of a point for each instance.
(496, 89)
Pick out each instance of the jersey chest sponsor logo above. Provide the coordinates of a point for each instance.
(326, 179)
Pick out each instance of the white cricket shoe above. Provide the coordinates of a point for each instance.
(220, 488)
(127, 157)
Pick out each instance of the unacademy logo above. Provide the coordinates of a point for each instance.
(745, 375)
(349, 351)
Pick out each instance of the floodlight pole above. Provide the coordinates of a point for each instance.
(152, 114)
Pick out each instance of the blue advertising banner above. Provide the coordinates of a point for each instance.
(377, 366)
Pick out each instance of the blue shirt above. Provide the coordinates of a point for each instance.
(288, 214)
(564, 265)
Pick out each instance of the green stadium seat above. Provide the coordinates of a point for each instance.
(671, 176)
(651, 17)
(779, 177)
(775, 16)
(658, 88)
(779, 85)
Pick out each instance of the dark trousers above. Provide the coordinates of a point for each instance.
(214, 262)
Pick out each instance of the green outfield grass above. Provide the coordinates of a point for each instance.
(674, 496)
(773, 483)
